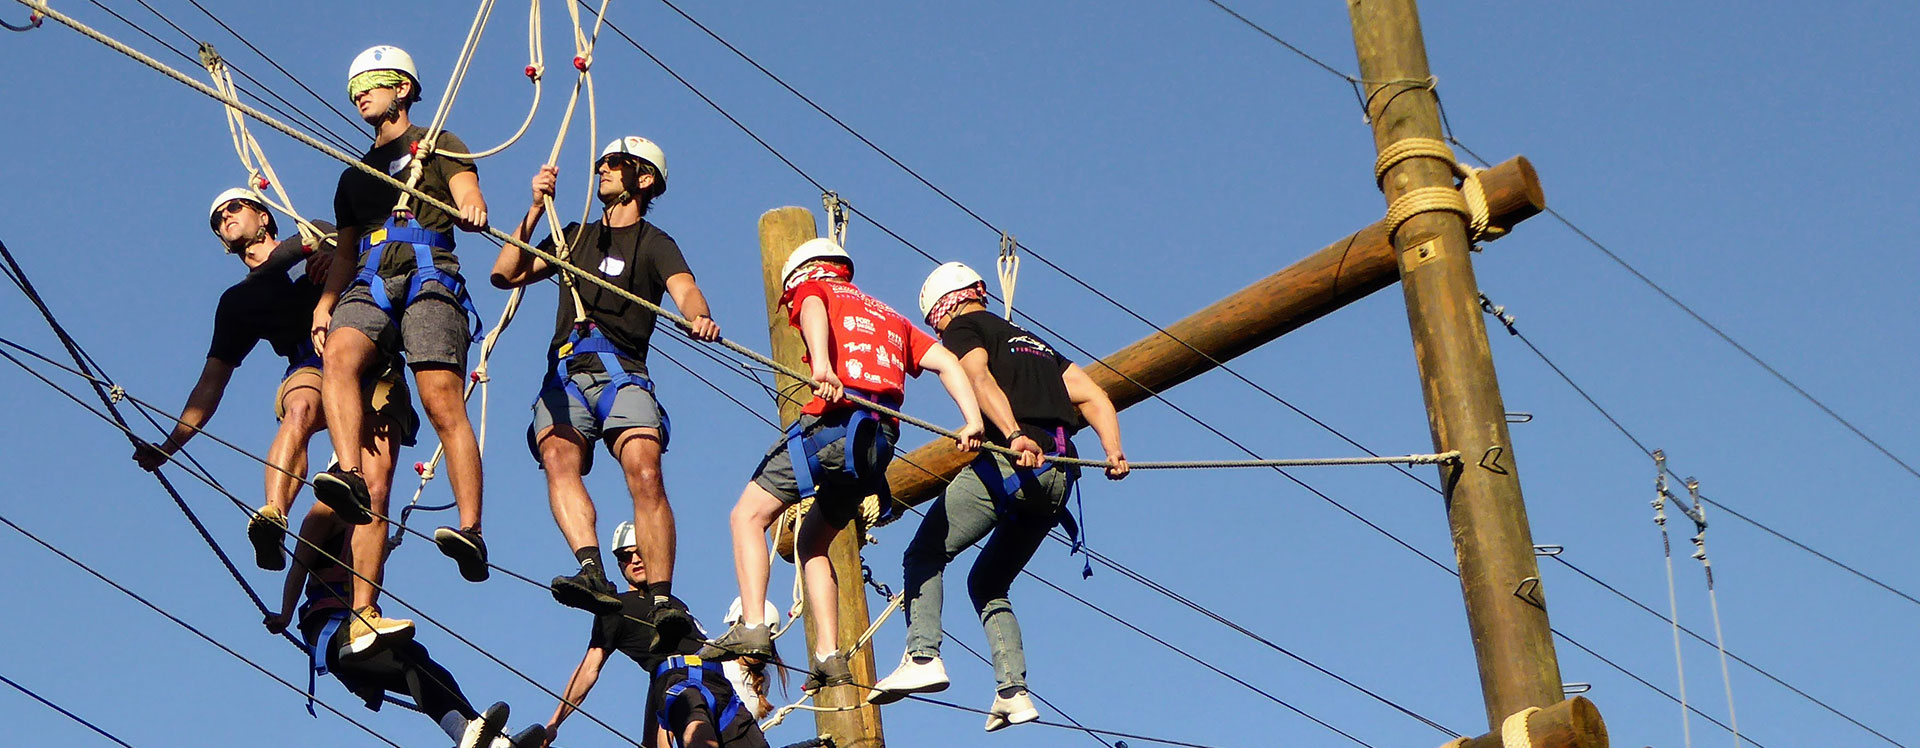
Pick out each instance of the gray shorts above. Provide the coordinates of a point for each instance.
(633, 407)
(839, 492)
(433, 330)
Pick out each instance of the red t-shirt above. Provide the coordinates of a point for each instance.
(874, 348)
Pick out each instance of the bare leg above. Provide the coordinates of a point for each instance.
(699, 734)
(823, 588)
(370, 540)
(443, 396)
(287, 458)
(639, 451)
(750, 519)
(563, 450)
(348, 354)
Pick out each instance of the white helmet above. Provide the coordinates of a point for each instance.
(944, 280)
(640, 148)
(239, 193)
(735, 613)
(623, 537)
(386, 57)
(814, 249)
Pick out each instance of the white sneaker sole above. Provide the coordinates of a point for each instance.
(887, 693)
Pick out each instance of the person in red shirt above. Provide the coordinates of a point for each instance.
(837, 452)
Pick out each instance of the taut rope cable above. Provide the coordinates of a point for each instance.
(56, 707)
(408, 191)
(1699, 517)
(189, 627)
(1660, 498)
(352, 122)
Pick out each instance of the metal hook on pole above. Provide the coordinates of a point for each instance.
(837, 218)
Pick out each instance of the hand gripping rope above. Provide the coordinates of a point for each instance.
(409, 191)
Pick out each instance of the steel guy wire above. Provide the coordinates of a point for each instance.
(351, 122)
(977, 217)
(44, 701)
(190, 628)
(1514, 331)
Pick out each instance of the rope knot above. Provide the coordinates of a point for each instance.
(581, 62)
(478, 375)
(533, 72)
(116, 393)
(261, 183)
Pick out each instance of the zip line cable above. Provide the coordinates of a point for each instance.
(190, 628)
(353, 123)
(971, 213)
(1262, 30)
(336, 137)
(63, 710)
(1514, 331)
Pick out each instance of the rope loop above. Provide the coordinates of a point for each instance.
(1468, 198)
(1513, 731)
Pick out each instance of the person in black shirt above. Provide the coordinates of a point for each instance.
(690, 702)
(1033, 400)
(267, 305)
(403, 667)
(596, 386)
(398, 291)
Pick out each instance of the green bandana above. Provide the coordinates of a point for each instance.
(373, 79)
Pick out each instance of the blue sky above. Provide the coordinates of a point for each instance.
(1163, 153)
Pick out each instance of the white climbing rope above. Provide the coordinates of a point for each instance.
(536, 69)
(1699, 517)
(1513, 729)
(1008, 265)
(260, 174)
(1660, 498)
(894, 601)
(757, 357)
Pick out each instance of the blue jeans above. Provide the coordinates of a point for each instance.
(964, 515)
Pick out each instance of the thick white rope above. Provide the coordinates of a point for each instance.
(1513, 730)
(260, 174)
(676, 319)
(1699, 516)
(536, 69)
(424, 148)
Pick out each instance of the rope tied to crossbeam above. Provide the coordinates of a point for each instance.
(1468, 199)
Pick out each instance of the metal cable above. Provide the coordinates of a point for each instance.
(56, 707)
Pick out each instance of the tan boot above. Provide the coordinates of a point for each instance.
(265, 531)
(367, 631)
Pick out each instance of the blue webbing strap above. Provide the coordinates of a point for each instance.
(318, 652)
(695, 681)
(373, 246)
(1002, 489)
(593, 342)
(804, 447)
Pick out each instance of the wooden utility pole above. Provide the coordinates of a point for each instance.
(781, 230)
(1506, 606)
(1339, 274)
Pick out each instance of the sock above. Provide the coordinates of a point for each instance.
(454, 724)
(589, 555)
(821, 657)
(660, 591)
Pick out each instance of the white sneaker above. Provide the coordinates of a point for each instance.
(1017, 710)
(482, 730)
(910, 677)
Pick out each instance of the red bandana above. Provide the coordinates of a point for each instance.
(812, 272)
(946, 304)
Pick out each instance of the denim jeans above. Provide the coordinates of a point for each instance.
(964, 515)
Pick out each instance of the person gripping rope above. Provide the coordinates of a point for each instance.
(1034, 399)
(597, 386)
(398, 290)
(267, 305)
(403, 667)
(839, 451)
(691, 702)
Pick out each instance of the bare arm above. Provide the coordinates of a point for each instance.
(693, 305)
(942, 362)
(584, 676)
(312, 530)
(1095, 406)
(994, 405)
(465, 188)
(516, 267)
(817, 332)
(346, 261)
(201, 403)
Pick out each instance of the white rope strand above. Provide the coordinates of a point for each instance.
(1660, 498)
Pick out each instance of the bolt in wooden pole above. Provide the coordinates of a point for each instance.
(781, 230)
(1492, 541)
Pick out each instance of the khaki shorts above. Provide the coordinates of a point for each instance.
(386, 395)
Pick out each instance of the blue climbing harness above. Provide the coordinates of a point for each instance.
(1002, 490)
(373, 245)
(696, 670)
(318, 650)
(804, 445)
(586, 339)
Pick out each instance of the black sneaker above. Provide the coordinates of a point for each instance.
(671, 625)
(482, 730)
(534, 736)
(345, 492)
(832, 671)
(265, 531)
(466, 548)
(740, 641)
(588, 590)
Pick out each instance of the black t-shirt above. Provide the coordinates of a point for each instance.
(1026, 368)
(266, 305)
(365, 202)
(635, 639)
(639, 258)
